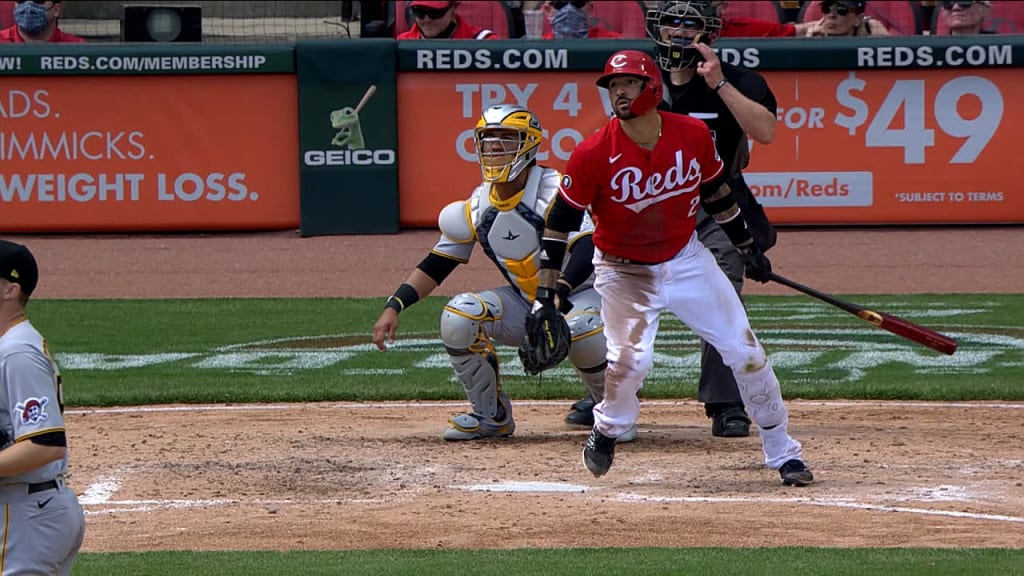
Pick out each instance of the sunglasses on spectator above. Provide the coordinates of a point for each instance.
(839, 9)
(422, 12)
(965, 4)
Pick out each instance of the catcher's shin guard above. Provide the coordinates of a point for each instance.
(479, 376)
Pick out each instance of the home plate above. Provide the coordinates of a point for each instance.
(526, 487)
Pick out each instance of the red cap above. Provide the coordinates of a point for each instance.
(437, 5)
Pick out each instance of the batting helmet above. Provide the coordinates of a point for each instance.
(641, 65)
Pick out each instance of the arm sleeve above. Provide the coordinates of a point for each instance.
(581, 261)
(711, 165)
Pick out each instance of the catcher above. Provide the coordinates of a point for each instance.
(505, 215)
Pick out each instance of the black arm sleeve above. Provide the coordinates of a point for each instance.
(563, 217)
(57, 438)
(581, 261)
(437, 267)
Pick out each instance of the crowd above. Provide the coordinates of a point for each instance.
(817, 18)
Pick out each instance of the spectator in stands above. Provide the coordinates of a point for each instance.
(740, 27)
(36, 23)
(438, 20)
(966, 17)
(845, 18)
(572, 20)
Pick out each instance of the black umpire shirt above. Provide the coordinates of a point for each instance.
(697, 99)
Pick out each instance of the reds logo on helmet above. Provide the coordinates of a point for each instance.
(640, 64)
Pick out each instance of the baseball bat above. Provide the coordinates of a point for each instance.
(894, 324)
(366, 97)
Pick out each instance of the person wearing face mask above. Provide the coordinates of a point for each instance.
(36, 23)
(845, 18)
(572, 20)
(438, 20)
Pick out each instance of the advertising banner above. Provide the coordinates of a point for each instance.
(146, 153)
(867, 146)
(892, 147)
(436, 121)
(348, 137)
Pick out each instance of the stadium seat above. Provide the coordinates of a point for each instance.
(1004, 17)
(900, 17)
(767, 10)
(491, 14)
(6, 14)
(627, 17)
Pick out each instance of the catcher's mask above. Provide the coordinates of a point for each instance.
(640, 65)
(676, 25)
(507, 141)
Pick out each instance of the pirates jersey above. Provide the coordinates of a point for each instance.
(509, 231)
(30, 392)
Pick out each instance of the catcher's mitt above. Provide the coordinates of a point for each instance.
(547, 340)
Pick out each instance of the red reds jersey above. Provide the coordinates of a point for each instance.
(463, 31)
(643, 202)
(751, 28)
(11, 35)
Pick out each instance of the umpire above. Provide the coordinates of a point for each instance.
(735, 103)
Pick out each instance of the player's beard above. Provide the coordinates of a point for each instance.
(625, 115)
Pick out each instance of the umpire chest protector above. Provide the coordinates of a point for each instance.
(509, 231)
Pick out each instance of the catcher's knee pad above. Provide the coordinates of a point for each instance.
(463, 318)
(762, 396)
(589, 348)
(478, 374)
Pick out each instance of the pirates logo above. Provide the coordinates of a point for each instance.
(32, 411)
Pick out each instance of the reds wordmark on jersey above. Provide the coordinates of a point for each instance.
(643, 202)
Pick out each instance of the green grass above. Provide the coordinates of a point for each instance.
(116, 352)
(597, 562)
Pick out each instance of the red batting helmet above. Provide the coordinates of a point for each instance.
(640, 64)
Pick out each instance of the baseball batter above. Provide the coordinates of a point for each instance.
(643, 178)
(505, 216)
(44, 524)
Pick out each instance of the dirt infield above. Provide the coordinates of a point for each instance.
(360, 476)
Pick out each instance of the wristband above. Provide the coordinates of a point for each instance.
(552, 253)
(544, 293)
(404, 297)
(720, 84)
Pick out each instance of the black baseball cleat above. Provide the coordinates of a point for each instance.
(795, 473)
(730, 421)
(598, 453)
(582, 413)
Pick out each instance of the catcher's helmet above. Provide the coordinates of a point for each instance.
(675, 25)
(640, 64)
(507, 141)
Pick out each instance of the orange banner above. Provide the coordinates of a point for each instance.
(142, 153)
(864, 147)
(437, 112)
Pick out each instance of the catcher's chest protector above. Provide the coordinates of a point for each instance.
(510, 236)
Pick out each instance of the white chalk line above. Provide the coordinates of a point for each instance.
(826, 503)
(456, 404)
(141, 506)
